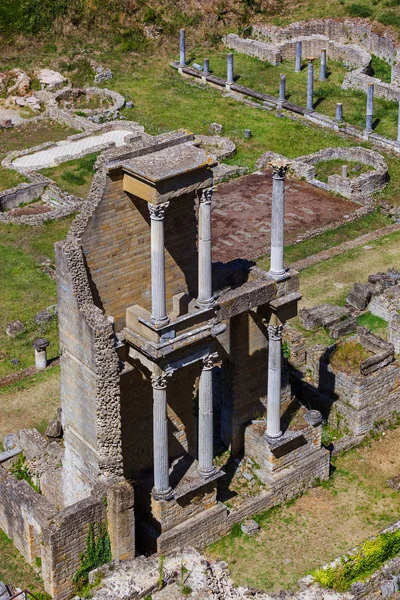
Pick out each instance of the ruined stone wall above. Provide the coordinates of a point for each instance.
(116, 244)
(64, 540)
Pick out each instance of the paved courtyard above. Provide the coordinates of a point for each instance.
(242, 214)
(68, 150)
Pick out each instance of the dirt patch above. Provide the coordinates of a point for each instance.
(32, 406)
(30, 210)
(242, 214)
(323, 523)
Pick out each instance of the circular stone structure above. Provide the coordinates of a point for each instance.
(70, 99)
(221, 147)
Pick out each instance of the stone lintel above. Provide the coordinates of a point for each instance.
(168, 173)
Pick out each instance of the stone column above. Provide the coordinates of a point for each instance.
(322, 66)
(370, 108)
(158, 302)
(297, 68)
(282, 88)
(339, 111)
(205, 298)
(162, 489)
(206, 67)
(40, 347)
(310, 83)
(182, 48)
(206, 424)
(345, 171)
(229, 79)
(274, 379)
(398, 125)
(279, 168)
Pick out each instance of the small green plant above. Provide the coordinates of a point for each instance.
(371, 555)
(359, 10)
(286, 350)
(96, 553)
(38, 562)
(20, 471)
(186, 590)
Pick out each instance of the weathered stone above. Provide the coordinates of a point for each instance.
(44, 316)
(10, 441)
(394, 482)
(359, 296)
(15, 328)
(5, 593)
(6, 123)
(215, 128)
(103, 74)
(129, 104)
(50, 80)
(250, 527)
(344, 327)
(388, 588)
(324, 315)
(54, 429)
(15, 362)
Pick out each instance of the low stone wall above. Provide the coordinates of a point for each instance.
(117, 100)
(21, 194)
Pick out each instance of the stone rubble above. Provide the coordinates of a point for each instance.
(15, 328)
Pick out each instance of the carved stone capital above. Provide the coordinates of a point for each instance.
(206, 195)
(275, 332)
(159, 382)
(310, 59)
(157, 211)
(209, 361)
(279, 168)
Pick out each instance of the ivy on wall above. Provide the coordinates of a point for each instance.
(96, 553)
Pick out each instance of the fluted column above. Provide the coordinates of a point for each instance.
(310, 83)
(182, 48)
(158, 302)
(205, 298)
(274, 379)
(206, 424)
(277, 268)
(229, 78)
(282, 88)
(162, 489)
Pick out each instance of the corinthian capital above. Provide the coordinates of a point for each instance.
(209, 361)
(279, 168)
(159, 382)
(275, 332)
(206, 195)
(157, 211)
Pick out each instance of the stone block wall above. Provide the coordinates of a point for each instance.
(22, 194)
(116, 245)
(394, 332)
(170, 513)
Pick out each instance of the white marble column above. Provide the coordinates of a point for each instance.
(205, 298)
(158, 301)
(206, 425)
(162, 489)
(182, 48)
(310, 83)
(274, 380)
(279, 168)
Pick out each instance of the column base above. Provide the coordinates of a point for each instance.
(207, 474)
(163, 495)
(270, 437)
(204, 304)
(159, 322)
(278, 275)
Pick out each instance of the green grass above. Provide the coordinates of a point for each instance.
(331, 238)
(13, 568)
(74, 176)
(26, 290)
(334, 167)
(374, 324)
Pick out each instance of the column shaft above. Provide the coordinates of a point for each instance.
(274, 381)
(310, 84)
(322, 66)
(370, 107)
(182, 48)
(339, 111)
(206, 67)
(398, 125)
(162, 488)
(158, 302)
(298, 58)
(277, 268)
(206, 424)
(229, 79)
(282, 88)
(205, 297)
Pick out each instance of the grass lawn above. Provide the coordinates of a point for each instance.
(331, 280)
(320, 525)
(74, 176)
(26, 290)
(334, 167)
(14, 570)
